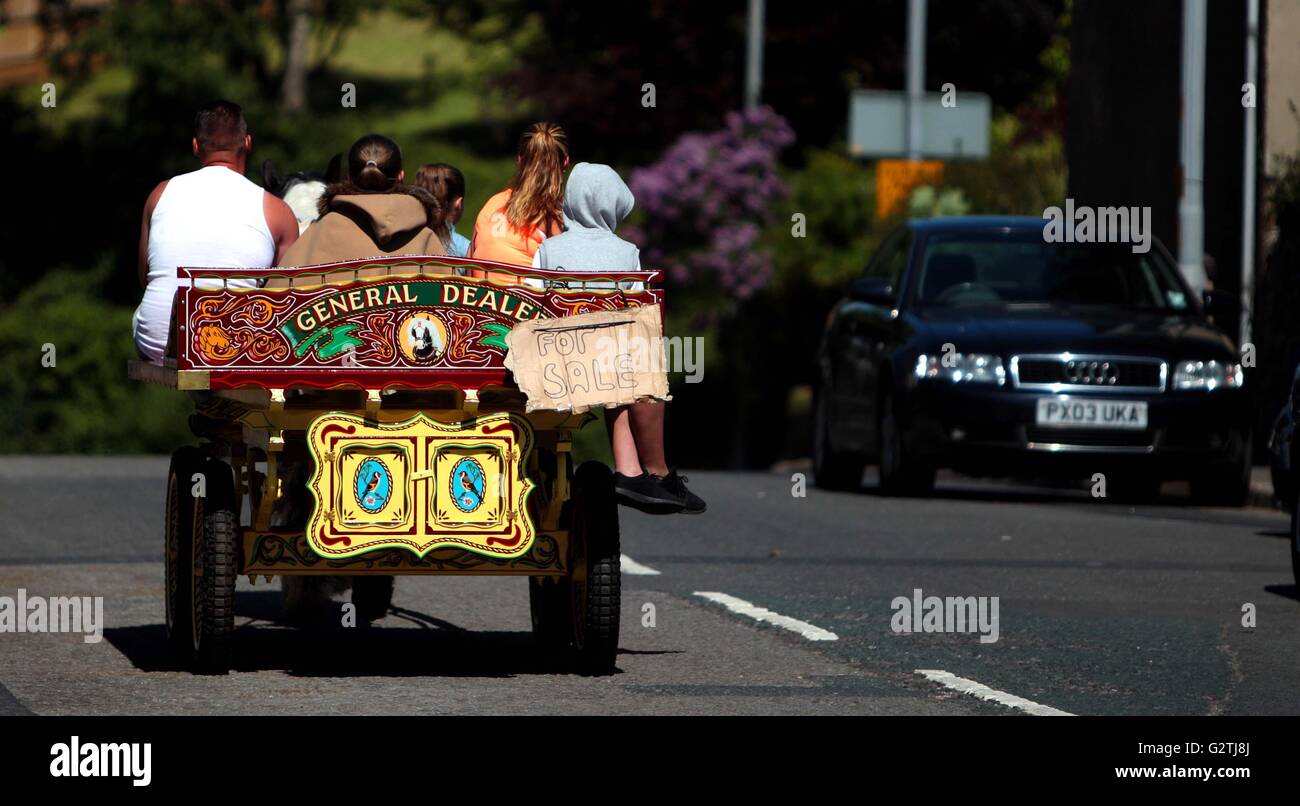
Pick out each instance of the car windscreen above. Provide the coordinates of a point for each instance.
(1008, 268)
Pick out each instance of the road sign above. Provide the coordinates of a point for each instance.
(878, 124)
(896, 179)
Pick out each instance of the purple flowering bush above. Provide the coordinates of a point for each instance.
(707, 201)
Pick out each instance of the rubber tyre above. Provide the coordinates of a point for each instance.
(832, 470)
(1295, 543)
(900, 473)
(1225, 485)
(372, 596)
(595, 582)
(216, 547)
(178, 547)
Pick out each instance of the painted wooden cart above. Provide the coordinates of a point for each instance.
(356, 419)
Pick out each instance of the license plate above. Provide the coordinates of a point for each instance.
(1067, 412)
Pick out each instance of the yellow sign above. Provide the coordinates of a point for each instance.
(420, 485)
(896, 179)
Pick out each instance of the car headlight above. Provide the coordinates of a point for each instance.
(1207, 375)
(961, 368)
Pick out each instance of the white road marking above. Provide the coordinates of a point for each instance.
(809, 631)
(631, 566)
(983, 692)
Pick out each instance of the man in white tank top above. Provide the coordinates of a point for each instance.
(209, 218)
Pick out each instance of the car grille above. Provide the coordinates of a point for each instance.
(1091, 371)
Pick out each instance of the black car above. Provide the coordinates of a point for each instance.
(1285, 459)
(973, 343)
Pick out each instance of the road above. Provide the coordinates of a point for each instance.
(1103, 609)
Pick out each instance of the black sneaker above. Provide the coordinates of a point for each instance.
(644, 492)
(675, 485)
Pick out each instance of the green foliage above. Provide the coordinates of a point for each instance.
(82, 404)
(928, 201)
(836, 195)
(1020, 177)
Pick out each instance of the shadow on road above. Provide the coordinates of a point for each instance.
(437, 649)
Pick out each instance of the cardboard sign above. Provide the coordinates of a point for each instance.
(605, 358)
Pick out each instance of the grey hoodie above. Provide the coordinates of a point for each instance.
(596, 200)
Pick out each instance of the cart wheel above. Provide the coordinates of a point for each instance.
(548, 600)
(215, 551)
(179, 545)
(372, 596)
(595, 582)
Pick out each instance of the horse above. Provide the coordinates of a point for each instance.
(301, 190)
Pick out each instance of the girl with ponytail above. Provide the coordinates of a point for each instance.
(515, 221)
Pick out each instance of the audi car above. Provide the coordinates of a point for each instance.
(976, 344)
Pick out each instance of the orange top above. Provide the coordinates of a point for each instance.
(495, 239)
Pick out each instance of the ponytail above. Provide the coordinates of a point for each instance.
(537, 190)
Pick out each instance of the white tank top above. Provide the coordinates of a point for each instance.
(209, 218)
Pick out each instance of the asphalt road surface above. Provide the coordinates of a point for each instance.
(1102, 609)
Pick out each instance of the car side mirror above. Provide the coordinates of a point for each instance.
(1221, 306)
(873, 291)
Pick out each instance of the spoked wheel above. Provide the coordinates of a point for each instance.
(595, 584)
(901, 472)
(214, 552)
(179, 546)
(372, 596)
(832, 470)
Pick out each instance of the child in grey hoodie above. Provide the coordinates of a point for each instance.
(596, 200)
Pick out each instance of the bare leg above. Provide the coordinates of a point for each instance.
(626, 459)
(647, 421)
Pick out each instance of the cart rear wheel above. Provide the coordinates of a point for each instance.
(595, 582)
(179, 545)
(215, 549)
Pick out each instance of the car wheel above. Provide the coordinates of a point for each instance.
(832, 470)
(1225, 485)
(901, 472)
(1295, 543)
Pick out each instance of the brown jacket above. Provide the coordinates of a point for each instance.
(367, 225)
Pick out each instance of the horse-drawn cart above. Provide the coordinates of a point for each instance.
(357, 419)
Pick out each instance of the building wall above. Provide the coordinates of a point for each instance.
(29, 29)
(1281, 56)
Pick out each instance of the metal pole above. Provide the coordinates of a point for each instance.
(915, 75)
(1248, 223)
(754, 56)
(1191, 237)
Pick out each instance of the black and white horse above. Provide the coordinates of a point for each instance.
(301, 190)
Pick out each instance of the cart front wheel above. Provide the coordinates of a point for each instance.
(372, 596)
